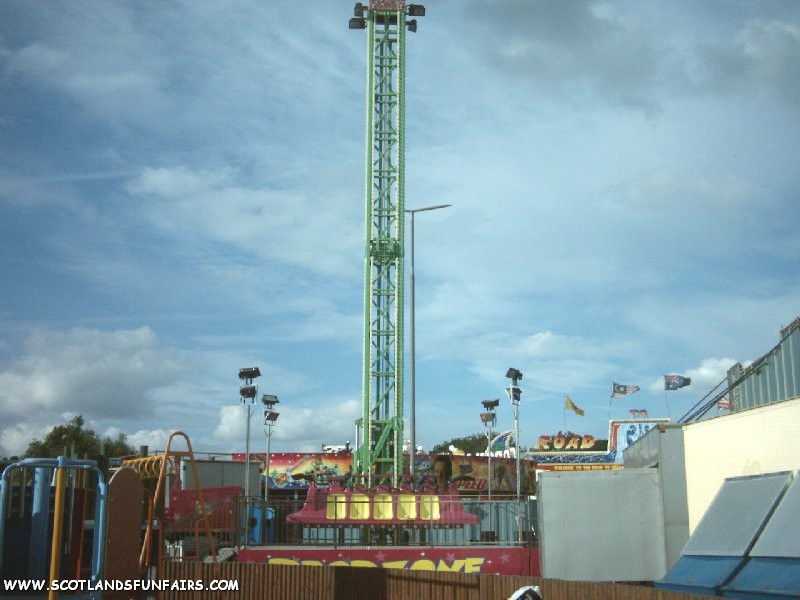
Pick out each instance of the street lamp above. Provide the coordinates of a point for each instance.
(412, 373)
(270, 417)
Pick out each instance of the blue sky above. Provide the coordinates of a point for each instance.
(181, 195)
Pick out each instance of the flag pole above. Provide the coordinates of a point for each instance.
(669, 416)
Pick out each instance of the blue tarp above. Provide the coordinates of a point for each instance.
(766, 578)
(700, 574)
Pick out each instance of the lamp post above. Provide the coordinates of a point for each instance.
(489, 418)
(412, 373)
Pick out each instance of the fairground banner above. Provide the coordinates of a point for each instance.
(563, 451)
(582, 452)
(295, 470)
(498, 560)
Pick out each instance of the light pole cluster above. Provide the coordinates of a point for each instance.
(489, 418)
(247, 393)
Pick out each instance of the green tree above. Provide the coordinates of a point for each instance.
(470, 444)
(76, 442)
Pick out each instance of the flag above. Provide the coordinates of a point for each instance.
(674, 382)
(570, 405)
(618, 390)
(723, 403)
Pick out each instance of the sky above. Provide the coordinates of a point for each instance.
(182, 195)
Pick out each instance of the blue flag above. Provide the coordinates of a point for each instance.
(674, 382)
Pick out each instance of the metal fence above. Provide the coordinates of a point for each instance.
(499, 521)
(284, 582)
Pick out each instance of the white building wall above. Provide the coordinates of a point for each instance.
(601, 525)
(662, 449)
(750, 442)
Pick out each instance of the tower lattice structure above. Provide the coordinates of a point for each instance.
(379, 455)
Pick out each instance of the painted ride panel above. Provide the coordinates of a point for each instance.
(497, 560)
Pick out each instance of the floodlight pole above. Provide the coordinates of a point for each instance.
(515, 394)
(270, 419)
(247, 394)
(412, 371)
(249, 409)
(268, 430)
(489, 467)
(517, 453)
(488, 423)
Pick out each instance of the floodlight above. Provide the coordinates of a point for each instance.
(271, 415)
(358, 10)
(383, 19)
(490, 404)
(515, 393)
(488, 417)
(513, 374)
(358, 23)
(269, 400)
(412, 25)
(248, 391)
(249, 373)
(416, 10)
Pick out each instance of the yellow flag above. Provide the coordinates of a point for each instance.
(570, 405)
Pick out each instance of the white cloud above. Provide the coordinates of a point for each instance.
(17, 437)
(705, 377)
(761, 59)
(307, 428)
(299, 429)
(155, 440)
(230, 426)
(710, 372)
(289, 227)
(102, 375)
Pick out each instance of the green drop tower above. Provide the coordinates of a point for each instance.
(379, 452)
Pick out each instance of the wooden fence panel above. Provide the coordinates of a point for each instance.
(257, 581)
